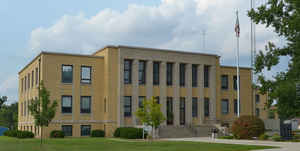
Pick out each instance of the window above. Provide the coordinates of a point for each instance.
(224, 82)
(194, 75)
(66, 104)
(22, 109)
(257, 99)
(85, 130)
(141, 99)
(25, 83)
(157, 99)
(224, 106)
(169, 73)
(182, 110)
(85, 104)
(182, 74)
(206, 76)
(236, 106)
(22, 85)
(169, 111)
(67, 74)
(271, 114)
(32, 77)
(86, 74)
(105, 104)
(257, 111)
(36, 76)
(235, 83)
(67, 129)
(127, 106)
(127, 71)
(155, 73)
(142, 72)
(194, 107)
(28, 82)
(206, 107)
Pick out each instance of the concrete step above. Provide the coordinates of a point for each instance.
(185, 131)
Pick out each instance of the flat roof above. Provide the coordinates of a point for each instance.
(247, 68)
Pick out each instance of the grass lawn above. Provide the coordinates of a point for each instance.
(107, 144)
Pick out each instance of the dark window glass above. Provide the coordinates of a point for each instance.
(85, 130)
(32, 78)
(155, 73)
(169, 73)
(86, 74)
(67, 73)
(182, 74)
(85, 104)
(36, 76)
(22, 85)
(25, 83)
(194, 107)
(142, 72)
(235, 106)
(206, 107)
(127, 71)
(67, 129)
(182, 111)
(257, 99)
(235, 82)
(224, 106)
(170, 110)
(141, 99)
(206, 76)
(104, 104)
(194, 75)
(157, 99)
(224, 82)
(257, 111)
(66, 104)
(28, 84)
(127, 106)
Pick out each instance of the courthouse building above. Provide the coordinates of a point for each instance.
(104, 90)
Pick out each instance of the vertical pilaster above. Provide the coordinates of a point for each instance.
(201, 93)
(120, 103)
(213, 93)
(135, 89)
(163, 89)
(176, 94)
(149, 79)
(188, 75)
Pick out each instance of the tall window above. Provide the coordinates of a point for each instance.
(206, 107)
(142, 72)
(32, 78)
(85, 130)
(25, 83)
(66, 104)
(194, 107)
(127, 106)
(235, 106)
(127, 71)
(194, 75)
(28, 82)
(157, 99)
(225, 106)
(67, 74)
(36, 76)
(67, 129)
(170, 110)
(182, 74)
(257, 111)
(141, 99)
(257, 99)
(85, 104)
(182, 110)
(155, 73)
(169, 73)
(206, 76)
(224, 82)
(86, 74)
(22, 85)
(235, 82)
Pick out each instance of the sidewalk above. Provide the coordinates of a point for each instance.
(284, 146)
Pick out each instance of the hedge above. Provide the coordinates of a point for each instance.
(129, 133)
(97, 133)
(19, 134)
(247, 127)
(57, 134)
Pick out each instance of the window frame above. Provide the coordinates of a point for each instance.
(169, 73)
(182, 77)
(62, 75)
(62, 110)
(32, 78)
(71, 132)
(206, 73)
(127, 114)
(82, 133)
(257, 98)
(227, 106)
(226, 82)
(156, 72)
(195, 75)
(36, 76)
(85, 111)
(89, 81)
(129, 80)
(194, 107)
(157, 99)
(142, 67)
(140, 101)
(206, 107)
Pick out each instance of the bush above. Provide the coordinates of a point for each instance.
(226, 137)
(263, 137)
(296, 136)
(276, 137)
(25, 134)
(117, 132)
(129, 133)
(98, 133)
(57, 134)
(11, 133)
(247, 127)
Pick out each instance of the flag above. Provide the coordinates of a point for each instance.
(237, 26)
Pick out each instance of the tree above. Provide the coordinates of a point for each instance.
(9, 116)
(150, 114)
(42, 110)
(3, 99)
(284, 17)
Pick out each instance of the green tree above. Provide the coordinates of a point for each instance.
(9, 116)
(42, 109)
(3, 99)
(150, 114)
(284, 17)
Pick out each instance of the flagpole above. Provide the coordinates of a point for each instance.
(238, 71)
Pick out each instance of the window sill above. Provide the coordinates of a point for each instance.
(85, 84)
(85, 113)
(66, 83)
(66, 114)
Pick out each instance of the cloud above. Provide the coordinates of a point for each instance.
(9, 87)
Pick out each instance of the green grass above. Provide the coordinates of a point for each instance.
(107, 144)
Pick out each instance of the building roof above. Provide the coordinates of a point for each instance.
(247, 68)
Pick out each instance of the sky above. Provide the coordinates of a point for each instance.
(31, 26)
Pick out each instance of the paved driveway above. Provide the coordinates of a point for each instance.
(284, 146)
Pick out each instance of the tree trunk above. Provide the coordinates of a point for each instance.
(41, 136)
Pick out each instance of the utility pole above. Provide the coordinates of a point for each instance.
(203, 34)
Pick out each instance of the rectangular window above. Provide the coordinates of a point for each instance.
(127, 71)
(142, 72)
(32, 78)
(28, 82)
(169, 73)
(224, 82)
(169, 111)
(85, 104)
(157, 99)
(182, 110)
(156, 73)
(86, 74)
(67, 74)
(206, 76)
(235, 82)
(22, 85)
(105, 104)
(85, 130)
(25, 83)
(194, 107)
(257, 99)
(66, 104)
(257, 112)
(127, 106)
(235, 106)
(36, 76)
(225, 106)
(141, 99)
(67, 129)
(194, 75)
(182, 74)
(206, 107)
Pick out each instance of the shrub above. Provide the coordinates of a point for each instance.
(25, 134)
(57, 134)
(129, 133)
(296, 136)
(247, 127)
(226, 137)
(97, 133)
(11, 133)
(263, 137)
(276, 137)
(117, 132)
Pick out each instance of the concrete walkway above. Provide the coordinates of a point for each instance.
(284, 146)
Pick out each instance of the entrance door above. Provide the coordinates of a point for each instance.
(182, 111)
(169, 111)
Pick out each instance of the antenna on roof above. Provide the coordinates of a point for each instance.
(203, 34)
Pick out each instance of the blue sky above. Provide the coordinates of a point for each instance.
(27, 27)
